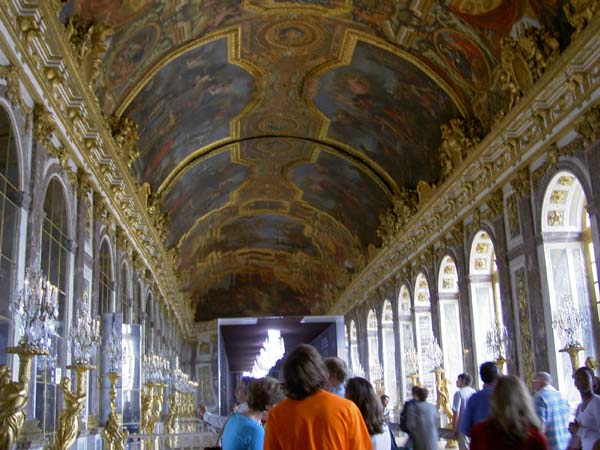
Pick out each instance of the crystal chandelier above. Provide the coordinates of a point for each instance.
(85, 333)
(569, 322)
(35, 309)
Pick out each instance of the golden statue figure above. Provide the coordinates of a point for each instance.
(147, 401)
(13, 398)
(114, 437)
(68, 424)
(173, 412)
(444, 399)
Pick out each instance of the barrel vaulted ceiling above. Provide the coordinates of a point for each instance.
(275, 132)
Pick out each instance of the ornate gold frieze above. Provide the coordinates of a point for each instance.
(579, 13)
(459, 138)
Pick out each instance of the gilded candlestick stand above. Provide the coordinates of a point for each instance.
(414, 379)
(443, 401)
(13, 394)
(114, 437)
(157, 405)
(74, 402)
(170, 421)
(573, 351)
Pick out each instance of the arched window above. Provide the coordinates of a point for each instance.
(389, 353)
(356, 366)
(375, 369)
(424, 334)
(9, 221)
(450, 318)
(55, 260)
(571, 275)
(105, 279)
(407, 342)
(488, 325)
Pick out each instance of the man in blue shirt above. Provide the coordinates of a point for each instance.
(553, 410)
(478, 406)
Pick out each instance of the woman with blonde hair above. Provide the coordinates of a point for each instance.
(513, 422)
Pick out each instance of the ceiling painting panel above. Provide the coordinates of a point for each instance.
(327, 7)
(337, 187)
(206, 186)
(252, 294)
(376, 104)
(188, 104)
(132, 52)
(265, 231)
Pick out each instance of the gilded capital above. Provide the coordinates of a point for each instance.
(43, 126)
(125, 133)
(495, 202)
(580, 13)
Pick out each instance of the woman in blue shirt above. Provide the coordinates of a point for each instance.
(243, 431)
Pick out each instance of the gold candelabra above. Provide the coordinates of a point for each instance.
(115, 438)
(74, 402)
(443, 400)
(500, 361)
(13, 394)
(157, 402)
(147, 407)
(414, 379)
(573, 351)
(170, 428)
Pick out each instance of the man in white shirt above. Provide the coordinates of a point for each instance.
(461, 396)
(241, 395)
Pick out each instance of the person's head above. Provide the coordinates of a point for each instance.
(264, 393)
(241, 390)
(415, 391)
(488, 372)
(541, 380)
(361, 392)
(337, 371)
(511, 407)
(385, 399)
(304, 372)
(584, 380)
(464, 379)
(420, 394)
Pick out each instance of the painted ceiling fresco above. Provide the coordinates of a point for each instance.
(275, 132)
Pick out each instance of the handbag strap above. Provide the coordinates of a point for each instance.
(222, 429)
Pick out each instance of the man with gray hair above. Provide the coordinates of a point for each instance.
(553, 410)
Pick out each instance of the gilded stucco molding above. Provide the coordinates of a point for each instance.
(59, 78)
(543, 115)
(525, 328)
